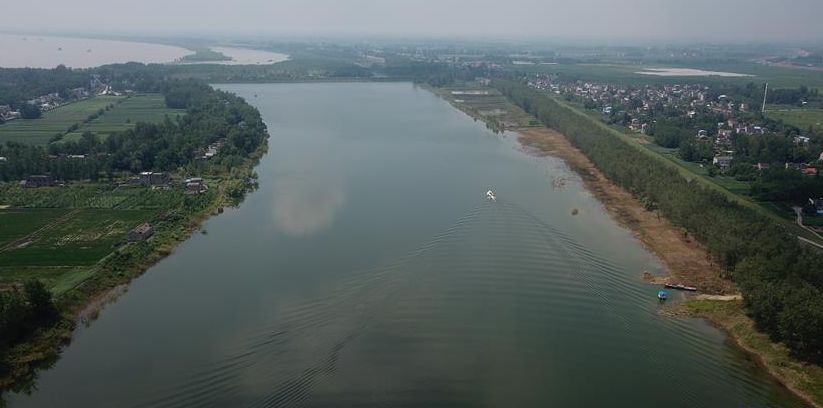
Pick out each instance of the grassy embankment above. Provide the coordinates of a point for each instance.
(805, 380)
(122, 114)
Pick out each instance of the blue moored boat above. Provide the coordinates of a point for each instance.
(662, 295)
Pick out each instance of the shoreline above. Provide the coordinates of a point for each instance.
(685, 260)
(111, 279)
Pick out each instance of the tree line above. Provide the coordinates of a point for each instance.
(780, 279)
(211, 115)
(23, 311)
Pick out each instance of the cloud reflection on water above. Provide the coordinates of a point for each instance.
(306, 201)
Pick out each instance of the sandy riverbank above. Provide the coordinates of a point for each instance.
(686, 262)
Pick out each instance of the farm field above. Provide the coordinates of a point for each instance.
(17, 223)
(802, 118)
(777, 77)
(40, 131)
(59, 234)
(81, 237)
(487, 104)
(103, 196)
(124, 115)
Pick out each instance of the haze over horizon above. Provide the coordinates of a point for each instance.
(631, 20)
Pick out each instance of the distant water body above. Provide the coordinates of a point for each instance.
(247, 56)
(35, 51)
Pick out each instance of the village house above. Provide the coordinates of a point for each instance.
(3, 159)
(79, 93)
(149, 178)
(801, 140)
(809, 171)
(762, 166)
(37, 181)
(141, 233)
(196, 185)
(7, 114)
(724, 162)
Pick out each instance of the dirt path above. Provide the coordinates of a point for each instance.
(686, 260)
(799, 220)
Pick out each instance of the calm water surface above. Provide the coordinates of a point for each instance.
(20, 51)
(368, 270)
(247, 56)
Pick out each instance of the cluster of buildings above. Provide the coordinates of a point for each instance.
(211, 150)
(161, 180)
(45, 103)
(641, 104)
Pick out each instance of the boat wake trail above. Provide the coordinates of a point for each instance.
(484, 297)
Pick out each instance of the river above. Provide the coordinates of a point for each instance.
(369, 270)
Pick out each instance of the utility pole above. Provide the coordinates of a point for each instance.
(765, 91)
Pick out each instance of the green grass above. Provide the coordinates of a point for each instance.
(801, 118)
(124, 116)
(82, 238)
(39, 131)
(626, 73)
(58, 279)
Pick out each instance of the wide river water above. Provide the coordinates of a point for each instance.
(369, 270)
(35, 51)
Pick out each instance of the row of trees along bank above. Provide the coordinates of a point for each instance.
(781, 280)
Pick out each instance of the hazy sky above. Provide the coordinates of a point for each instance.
(646, 20)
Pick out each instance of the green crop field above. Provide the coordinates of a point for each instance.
(79, 238)
(125, 112)
(39, 131)
(625, 73)
(802, 118)
(18, 223)
(137, 108)
(59, 234)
